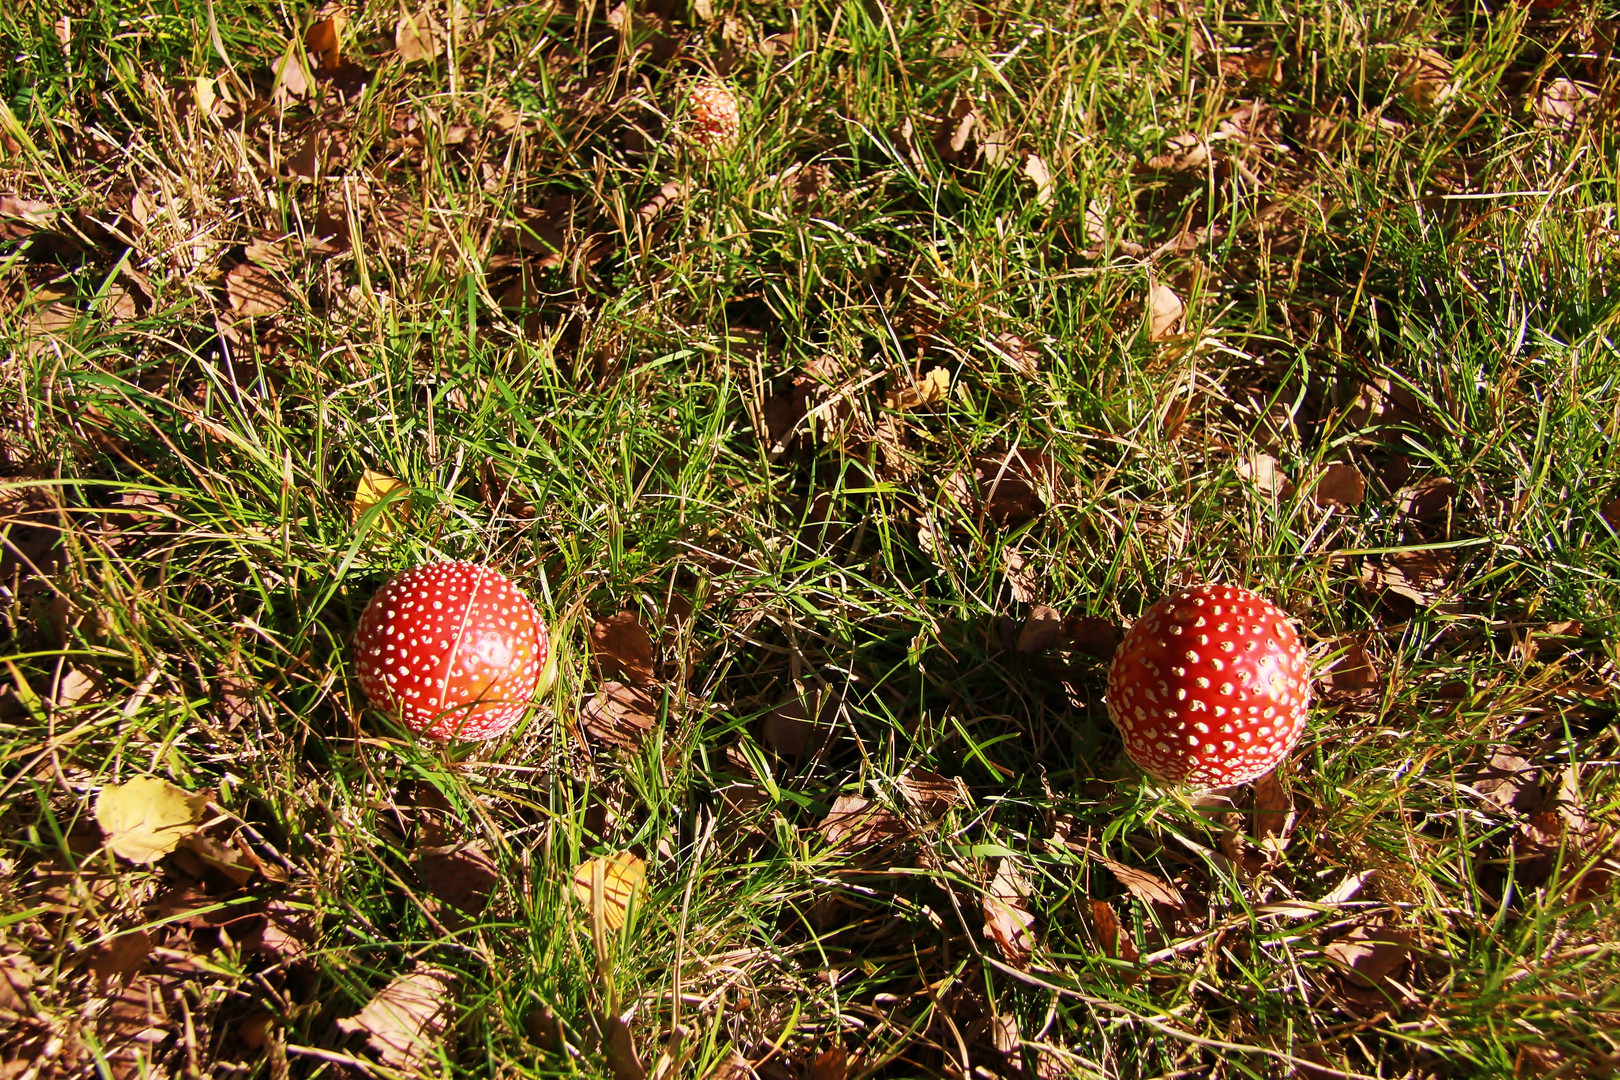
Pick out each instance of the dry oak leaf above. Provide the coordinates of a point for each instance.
(407, 1019)
(1164, 311)
(615, 879)
(1007, 918)
(621, 645)
(117, 960)
(147, 817)
(619, 715)
(252, 291)
(931, 792)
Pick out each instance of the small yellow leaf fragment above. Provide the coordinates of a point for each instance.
(931, 389)
(146, 818)
(1037, 173)
(1164, 312)
(617, 877)
(376, 487)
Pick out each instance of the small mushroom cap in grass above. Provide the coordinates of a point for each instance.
(713, 117)
(453, 649)
(1211, 687)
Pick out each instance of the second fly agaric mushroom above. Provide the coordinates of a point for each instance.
(1210, 687)
(453, 649)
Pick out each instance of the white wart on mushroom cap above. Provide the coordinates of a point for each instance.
(453, 649)
(1211, 687)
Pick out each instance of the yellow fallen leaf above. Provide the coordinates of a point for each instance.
(376, 487)
(146, 818)
(615, 878)
(932, 388)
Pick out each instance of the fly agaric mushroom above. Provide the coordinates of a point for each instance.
(453, 649)
(713, 119)
(1210, 687)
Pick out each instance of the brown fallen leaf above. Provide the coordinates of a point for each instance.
(1115, 941)
(1040, 630)
(1164, 311)
(462, 875)
(79, 687)
(1037, 173)
(306, 159)
(1509, 782)
(1014, 485)
(17, 975)
(1562, 103)
(732, 1067)
(619, 715)
(1091, 635)
(416, 37)
(790, 730)
(1268, 479)
(122, 957)
(1611, 514)
(617, 878)
(1273, 811)
(619, 1049)
(1022, 581)
(1340, 484)
(324, 42)
(858, 824)
(621, 645)
(252, 291)
(1148, 888)
(1429, 499)
(288, 934)
(1183, 153)
(406, 1020)
(1352, 671)
(932, 793)
(1007, 918)
(1372, 950)
(147, 817)
(1424, 78)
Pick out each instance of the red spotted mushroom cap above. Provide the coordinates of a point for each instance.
(453, 649)
(1210, 687)
(713, 120)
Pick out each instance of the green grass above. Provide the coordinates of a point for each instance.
(596, 400)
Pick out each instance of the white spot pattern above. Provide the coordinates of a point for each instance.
(1260, 661)
(453, 649)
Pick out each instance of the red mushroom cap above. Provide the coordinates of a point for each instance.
(453, 649)
(1210, 687)
(715, 120)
